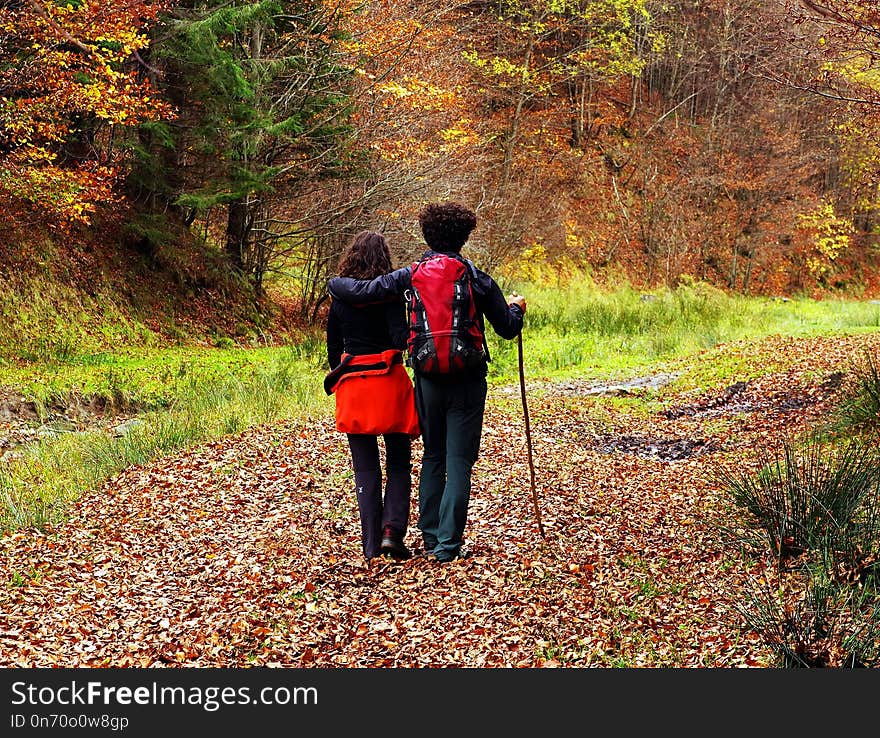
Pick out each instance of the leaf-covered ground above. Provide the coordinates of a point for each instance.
(246, 551)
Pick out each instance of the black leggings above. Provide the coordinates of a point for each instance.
(368, 484)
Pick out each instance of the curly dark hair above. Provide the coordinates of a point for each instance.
(367, 257)
(446, 226)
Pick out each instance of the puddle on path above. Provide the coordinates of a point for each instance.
(739, 398)
(619, 388)
(647, 447)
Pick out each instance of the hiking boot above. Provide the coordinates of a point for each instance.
(445, 557)
(442, 559)
(392, 544)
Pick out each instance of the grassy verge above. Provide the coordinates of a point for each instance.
(188, 394)
(142, 378)
(212, 400)
(42, 320)
(583, 331)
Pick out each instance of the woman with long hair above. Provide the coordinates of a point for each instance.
(374, 396)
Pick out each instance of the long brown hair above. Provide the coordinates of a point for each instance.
(367, 257)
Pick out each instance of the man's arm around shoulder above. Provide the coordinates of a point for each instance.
(383, 287)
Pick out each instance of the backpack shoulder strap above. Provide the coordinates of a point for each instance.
(472, 273)
(472, 269)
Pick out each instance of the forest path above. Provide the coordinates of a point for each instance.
(246, 551)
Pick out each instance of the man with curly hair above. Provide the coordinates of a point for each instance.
(450, 407)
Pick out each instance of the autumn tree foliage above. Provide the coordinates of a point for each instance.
(69, 85)
(730, 159)
(840, 38)
(658, 141)
(662, 142)
(288, 138)
(843, 36)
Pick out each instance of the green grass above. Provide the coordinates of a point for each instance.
(58, 344)
(201, 405)
(144, 378)
(42, 320)
(581, 330)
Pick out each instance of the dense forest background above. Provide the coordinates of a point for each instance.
(227, 151)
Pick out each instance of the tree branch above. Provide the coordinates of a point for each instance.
(41, 11)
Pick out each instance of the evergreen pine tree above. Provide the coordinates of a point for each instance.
(260, 95)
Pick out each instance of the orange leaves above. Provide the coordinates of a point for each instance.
(410, 105)
(65, 79)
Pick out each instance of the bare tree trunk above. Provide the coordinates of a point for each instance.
(236, 233)
(257, 41)
(731, 280)
(513, 133)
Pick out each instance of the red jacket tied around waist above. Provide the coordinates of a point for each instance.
(374, 394)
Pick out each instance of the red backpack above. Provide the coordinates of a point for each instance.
(445, 336)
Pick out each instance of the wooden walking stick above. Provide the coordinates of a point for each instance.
(522, 387)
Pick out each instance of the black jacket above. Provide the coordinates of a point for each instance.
(364, 329)
(506, 320)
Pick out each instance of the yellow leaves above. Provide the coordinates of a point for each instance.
(395, 89)
(462, 132)
(379, 36)
(58, 11)
(831, 236)
(504, 72)
(70, 193)
(574, 242)
(403, 150)
(532, 263)
(459, 136)
(419, 94)
(75, 70)
(818, 268)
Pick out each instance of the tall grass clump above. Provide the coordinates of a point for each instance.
(585, 308)
(580, 325)
(859, 410)
(584, 326)
(814, 624)
(811, 496)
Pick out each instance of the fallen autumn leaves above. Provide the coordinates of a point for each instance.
(245, 551)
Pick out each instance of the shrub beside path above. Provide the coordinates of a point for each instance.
(245, 551)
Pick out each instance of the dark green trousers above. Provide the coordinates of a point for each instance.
(451, 419)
